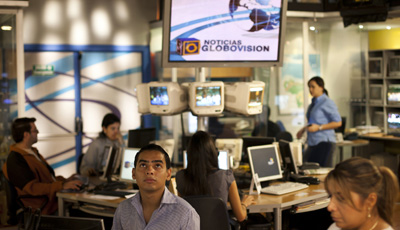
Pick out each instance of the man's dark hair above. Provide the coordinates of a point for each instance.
(20, 126)
(109, 119)
(154, 147)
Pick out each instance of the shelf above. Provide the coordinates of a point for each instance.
(393, 106)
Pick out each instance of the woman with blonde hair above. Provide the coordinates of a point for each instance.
(363, 195)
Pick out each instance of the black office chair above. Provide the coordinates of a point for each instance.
(212, 211)
(284, 135)
(15, 205)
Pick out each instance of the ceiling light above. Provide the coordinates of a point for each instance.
(6, 27)
(312, 28)
(388, 27)
(360, 26)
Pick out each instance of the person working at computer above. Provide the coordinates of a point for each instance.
(323, 117)
(271, 129)
(203, 177)
(154, 207)
(94, 159)
(363, 196)
(29, 172)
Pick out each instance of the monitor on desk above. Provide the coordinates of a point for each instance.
(393, 120)
(69, 223)
(127, 164)
(254, 141)
(232, 145)
(111, 164)
(264, 162)
(223, 159)
(138, 138)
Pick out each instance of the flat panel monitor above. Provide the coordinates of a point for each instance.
(223, 159)
(376, 94)
(288, 160)
(206, 98)
(225, 33)
(393, 94)
(254, 141)
(167, 98)
(110, 165)
(127, 164)
(244, 97)
(70, 223)
(393, 120)
(264, 161)
(375, 67)
(106, 154)
(143, 99)
(234, 147)
(394, 66)
(138, 138)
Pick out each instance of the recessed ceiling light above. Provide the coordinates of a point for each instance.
(6, 27)
(360, 26)
(388, 27)
(312, 28)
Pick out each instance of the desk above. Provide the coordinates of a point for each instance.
(352, 143)
(86, 198)
(276, 204)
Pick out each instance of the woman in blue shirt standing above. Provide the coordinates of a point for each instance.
(323, 117)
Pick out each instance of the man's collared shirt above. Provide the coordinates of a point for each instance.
(174, 213)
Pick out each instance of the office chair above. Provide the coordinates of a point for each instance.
(284, 135)
(15, 205)
(212, 211)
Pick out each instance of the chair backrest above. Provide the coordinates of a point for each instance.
(11, 195)
(212, 211)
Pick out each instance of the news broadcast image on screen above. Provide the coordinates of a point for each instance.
(159, 96)
(224, 30)
(208, 96)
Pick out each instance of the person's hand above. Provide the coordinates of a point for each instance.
(248, 200)
(313, 128)
(300, 133)
(73, 184)
(120, 138)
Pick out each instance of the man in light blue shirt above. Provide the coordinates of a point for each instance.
(154, 207)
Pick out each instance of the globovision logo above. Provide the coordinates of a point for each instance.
(187, 46)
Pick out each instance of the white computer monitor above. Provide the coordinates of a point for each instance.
(233, 146)
(110, 164)
(223, 159)
(244, 97)
(206, 98)
(264, 161)
(143, 98)
(167, 98)
(127, 164)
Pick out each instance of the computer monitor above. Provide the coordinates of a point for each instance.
(288, 160)
(234, 146)
(143, 99)
(127, 164)
(206, 98)
(138, 138)
(110, 164)
(375, 67)
(394, 66)
(264, 162)
(254, 141)
(393, 94)
(376, 94)
(167, 98)
(106, 153)
(223, 159)
(393, 121)
(70, 223)
(244, 97)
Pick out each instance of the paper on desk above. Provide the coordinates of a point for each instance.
(102, 197)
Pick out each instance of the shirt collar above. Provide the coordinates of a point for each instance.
(168, 198)
(317, 99)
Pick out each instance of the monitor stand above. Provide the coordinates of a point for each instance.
(255, 182)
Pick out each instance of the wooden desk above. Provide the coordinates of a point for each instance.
(352, 143)
(276, 204)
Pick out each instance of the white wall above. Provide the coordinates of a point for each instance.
(78, 22)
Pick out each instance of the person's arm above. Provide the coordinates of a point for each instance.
(239, 207)
(117, 220)
(330, 125)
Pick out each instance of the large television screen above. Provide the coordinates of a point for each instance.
(223, 33)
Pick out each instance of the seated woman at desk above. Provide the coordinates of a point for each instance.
(92, 162)
(203, 177)
(363, 195)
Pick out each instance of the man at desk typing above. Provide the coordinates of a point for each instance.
(29, 172)
(154, 207)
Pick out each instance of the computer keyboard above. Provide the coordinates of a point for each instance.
(113, 193)
(283, 188)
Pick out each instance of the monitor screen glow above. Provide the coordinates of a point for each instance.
(393, 121)
(127, 164)
(208, 96)
(159, 95)
(393, 94)
(223, 159)
(256, 96)
(223, 33)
